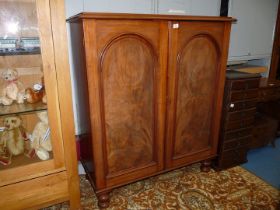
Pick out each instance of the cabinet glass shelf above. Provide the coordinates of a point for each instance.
(25, 108)
(19, 46)
(20, 51)
(22, 160)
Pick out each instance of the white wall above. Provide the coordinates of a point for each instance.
(189, 7)
(252, 35)
(121, 6)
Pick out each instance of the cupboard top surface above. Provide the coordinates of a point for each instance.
(91, 15)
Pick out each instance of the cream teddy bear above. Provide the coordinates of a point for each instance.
(41, 140)
(13, 137)
(13, 90)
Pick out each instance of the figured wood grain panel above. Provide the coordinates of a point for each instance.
(127, 67)
(197, 70)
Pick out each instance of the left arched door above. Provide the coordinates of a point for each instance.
(127, 98)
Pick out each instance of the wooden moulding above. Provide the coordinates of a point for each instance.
(126, 16)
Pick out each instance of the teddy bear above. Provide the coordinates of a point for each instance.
(5, 158)
(12, 138)
(36, 94)
(13, 91)
(40, 140)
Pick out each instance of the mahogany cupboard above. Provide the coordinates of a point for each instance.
(154, 87)
(38, 161)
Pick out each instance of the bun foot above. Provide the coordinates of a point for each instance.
(103, 200)
(206, 165)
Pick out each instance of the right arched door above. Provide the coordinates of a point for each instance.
(195, 91)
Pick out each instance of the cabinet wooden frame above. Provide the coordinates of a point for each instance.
(97, 37)
(32, 182)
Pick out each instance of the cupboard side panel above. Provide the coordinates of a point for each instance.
(94, 101)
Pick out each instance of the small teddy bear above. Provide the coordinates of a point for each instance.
(5, 158)
(33, 96)
(36, 94)
(13, 91)
(13, 137)
(41, 140)
(14, 140)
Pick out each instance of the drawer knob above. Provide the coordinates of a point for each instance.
(231, 105)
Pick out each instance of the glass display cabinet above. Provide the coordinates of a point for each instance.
(38, 161)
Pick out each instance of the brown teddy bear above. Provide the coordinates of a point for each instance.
(36, 94)
(12, 138)
(41, 140)
(13, 90)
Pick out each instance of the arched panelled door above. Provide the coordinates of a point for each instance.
(194, 91)
(127, 96)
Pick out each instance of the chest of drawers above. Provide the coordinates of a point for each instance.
(269, 91)
(239, 108)
(268, 121)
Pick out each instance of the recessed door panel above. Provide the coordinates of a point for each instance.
(127, 73)
(196, 72)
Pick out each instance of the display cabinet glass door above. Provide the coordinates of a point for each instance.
(30, 136)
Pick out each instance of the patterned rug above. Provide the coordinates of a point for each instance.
(188, 188)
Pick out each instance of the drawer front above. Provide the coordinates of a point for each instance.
(243, 95)
(236, 134)
(233, 157)
(237, 124)
(241, 114)
(231, 107)
(241, 142)
(269, 94)
(245, 84)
